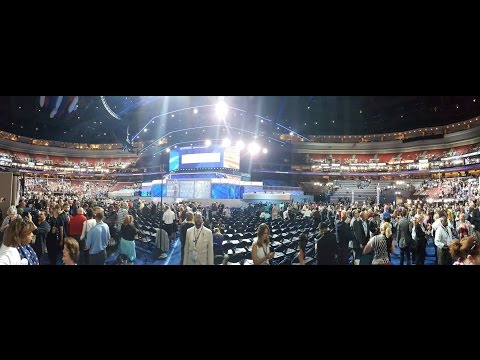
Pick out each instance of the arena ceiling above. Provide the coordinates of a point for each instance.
(107, 119)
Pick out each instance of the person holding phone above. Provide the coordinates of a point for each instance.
(261, 254)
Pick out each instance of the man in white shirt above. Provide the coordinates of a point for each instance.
(443, 239)
(168, 219)
(198, 244)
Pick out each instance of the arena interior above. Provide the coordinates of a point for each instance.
(240, 180)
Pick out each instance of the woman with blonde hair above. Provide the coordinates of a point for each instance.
(127, 241)
(378, 244)
(261, 254)
(464, 228)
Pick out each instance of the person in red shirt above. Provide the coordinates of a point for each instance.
(76, 227)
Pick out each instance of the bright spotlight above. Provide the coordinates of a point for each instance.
(265, 150)
(291, 133)
(226, 142)
(240, 145)
(145, 130)
(195, 111)
(208, 143)
(221, 110)
(167, 150)
(253, 148)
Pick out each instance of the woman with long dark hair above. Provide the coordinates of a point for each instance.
(261, 254)
(302, 243)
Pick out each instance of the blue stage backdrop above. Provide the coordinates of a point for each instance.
(159, 190)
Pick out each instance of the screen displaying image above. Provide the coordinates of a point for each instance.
(204, 158)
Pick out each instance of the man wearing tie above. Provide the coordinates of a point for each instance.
(198, 244)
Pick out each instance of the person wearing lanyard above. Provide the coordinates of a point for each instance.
(261, 254)
(198, 244)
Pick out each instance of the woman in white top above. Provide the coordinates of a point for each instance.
(88, 225)
(16, 235)
(261, 254)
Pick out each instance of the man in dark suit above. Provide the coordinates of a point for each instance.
(344, 236)
(374, 224)
(326, 246)
(360, 229)
(404, 237)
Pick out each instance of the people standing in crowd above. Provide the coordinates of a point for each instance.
(198, 244)
(227, 212)
(464, 228)
(264, 215)
(121, 213)
(218, 237)
(53, 236)
(97, 241)
(302, 244)
(443, 239)
(465, 251)
(110, 219)
(360, 230)
(326, 246)
(26, 236)
(345, 237)
(187, 224)
(17, 235)
(21, 206)
(261, 254)
(168, 219)
(11, 215)
(274, 212)
(87, 226)
(67, 218)
(378, 243)
(62, 224)
(374, 225)
(41, 233)
(421, 235)
(71, 251)
(76, 229)
(404, 237)
(128, 232)
(475, 215)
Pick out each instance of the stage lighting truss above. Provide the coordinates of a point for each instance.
(110, 111)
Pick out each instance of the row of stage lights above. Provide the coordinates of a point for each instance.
(253, 148)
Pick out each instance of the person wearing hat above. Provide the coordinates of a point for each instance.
(326, 247)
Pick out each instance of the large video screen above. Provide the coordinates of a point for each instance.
(204, 158)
